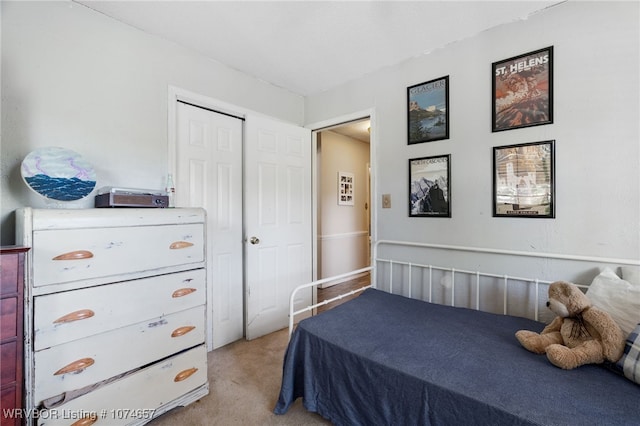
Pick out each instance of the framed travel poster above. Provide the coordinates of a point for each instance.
(428, 111)
(429, 186)
(523, 180)
(523, 90)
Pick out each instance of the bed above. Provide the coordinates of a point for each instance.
(417, 362)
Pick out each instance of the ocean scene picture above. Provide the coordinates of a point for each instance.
(58, 173)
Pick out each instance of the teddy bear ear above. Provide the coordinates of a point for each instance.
(558, 287)
(565, 288)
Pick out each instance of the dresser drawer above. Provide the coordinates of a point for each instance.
(10, 398)
(135, 397)
(8, 362)
(100, 357)
(9, 318)
(69, 255)
(9, 280)
(71, 315)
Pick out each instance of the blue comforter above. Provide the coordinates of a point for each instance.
(383, 359)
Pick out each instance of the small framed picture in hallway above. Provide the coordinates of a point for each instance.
(345, 189)
(429, 186)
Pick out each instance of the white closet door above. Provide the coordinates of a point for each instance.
(278, 221)
(209, 175)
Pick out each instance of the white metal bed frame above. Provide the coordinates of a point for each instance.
(506, 279)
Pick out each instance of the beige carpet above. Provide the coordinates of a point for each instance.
(244, 381)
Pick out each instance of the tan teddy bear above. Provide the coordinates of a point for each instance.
(580, 334)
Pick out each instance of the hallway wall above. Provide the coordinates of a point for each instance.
(343, 234)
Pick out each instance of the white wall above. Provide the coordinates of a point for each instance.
(74, 78)
(343, 234)
(596, 108)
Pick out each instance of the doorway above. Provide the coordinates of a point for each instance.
(343, 225)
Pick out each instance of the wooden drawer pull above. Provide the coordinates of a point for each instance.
(75, 255)
(184, 374)
(75, 366)
(75, 316)
(181, 331)
(86, 421)
(180, 245)
(183, 292)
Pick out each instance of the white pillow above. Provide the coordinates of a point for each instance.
(617, 297)
(631, 274)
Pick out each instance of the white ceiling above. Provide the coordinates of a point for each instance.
(307, 47)
(357, 129)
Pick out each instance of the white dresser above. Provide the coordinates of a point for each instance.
(114, 313)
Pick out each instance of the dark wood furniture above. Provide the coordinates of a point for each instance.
(11, 335)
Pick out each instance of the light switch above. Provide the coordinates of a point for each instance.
(386, 201)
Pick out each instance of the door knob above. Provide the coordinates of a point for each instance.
(254, 240)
